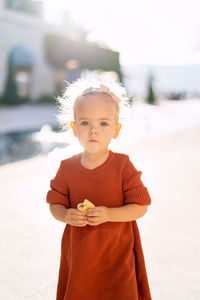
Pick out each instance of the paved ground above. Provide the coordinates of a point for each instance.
(30, 237)
(171, 230)
(26, 117)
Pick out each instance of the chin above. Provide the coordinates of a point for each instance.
(93, 149)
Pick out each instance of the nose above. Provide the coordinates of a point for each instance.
(93, 129)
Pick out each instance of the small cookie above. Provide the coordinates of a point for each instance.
(83, 207)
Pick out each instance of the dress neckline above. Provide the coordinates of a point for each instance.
(97, 169)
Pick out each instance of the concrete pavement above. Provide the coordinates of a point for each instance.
(27, 117)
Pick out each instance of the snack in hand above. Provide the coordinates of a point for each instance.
(83, 207)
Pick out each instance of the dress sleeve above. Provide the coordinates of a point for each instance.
(133, 187)
(58, 194)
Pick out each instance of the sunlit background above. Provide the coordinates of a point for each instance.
(144, 32)
(153, 48)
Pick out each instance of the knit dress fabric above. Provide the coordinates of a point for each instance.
(103, 262)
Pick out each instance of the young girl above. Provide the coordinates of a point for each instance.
(101, 254)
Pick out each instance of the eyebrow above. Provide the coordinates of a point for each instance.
(107, 119)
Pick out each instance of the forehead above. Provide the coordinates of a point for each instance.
(91, 106)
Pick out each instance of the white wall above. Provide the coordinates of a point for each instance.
(16, 29)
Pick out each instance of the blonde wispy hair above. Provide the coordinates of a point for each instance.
(85, 87)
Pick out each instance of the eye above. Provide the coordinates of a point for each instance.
(84, 123)
(104, 124)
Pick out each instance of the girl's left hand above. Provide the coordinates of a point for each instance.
(98, 215)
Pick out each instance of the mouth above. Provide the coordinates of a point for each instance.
(92, 141)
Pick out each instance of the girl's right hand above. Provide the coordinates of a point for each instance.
(75, 218)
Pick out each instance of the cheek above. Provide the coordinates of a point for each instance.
(82, 131)
(109, 133)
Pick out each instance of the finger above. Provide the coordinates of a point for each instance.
(94, 223)
(78, 213)
(95, 212)
(79, 220)
(72, 212)
(93, 219)
(79, 216)
(72, 223)
(90, 210)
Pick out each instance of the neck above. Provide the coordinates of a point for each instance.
(93, 160)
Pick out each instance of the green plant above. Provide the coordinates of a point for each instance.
(10, 93)
(1, 100)
(46, 99)
(150, 93)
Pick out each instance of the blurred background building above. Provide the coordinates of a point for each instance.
(36, 56)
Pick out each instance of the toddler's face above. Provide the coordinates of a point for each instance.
(95, 123)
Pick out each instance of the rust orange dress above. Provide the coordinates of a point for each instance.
(103, 262)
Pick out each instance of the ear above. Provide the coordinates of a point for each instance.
(117, 130)
(73, 127)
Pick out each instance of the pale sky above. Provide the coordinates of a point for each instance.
(143, 31)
